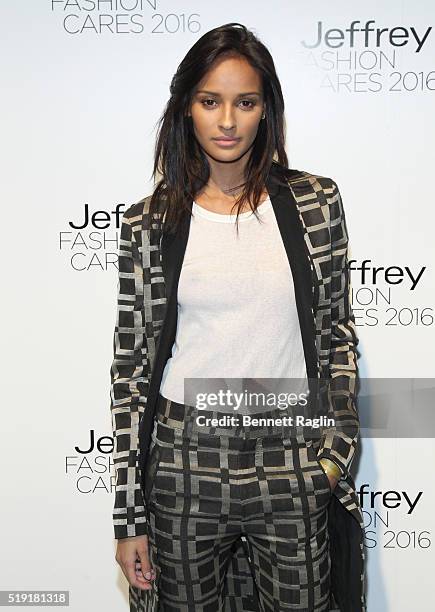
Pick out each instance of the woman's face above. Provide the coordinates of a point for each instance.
(226, 109)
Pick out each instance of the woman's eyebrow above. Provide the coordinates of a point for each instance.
(213, 93)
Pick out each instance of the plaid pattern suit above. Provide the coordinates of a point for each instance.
(311, 219)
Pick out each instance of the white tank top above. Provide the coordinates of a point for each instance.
(237, 314)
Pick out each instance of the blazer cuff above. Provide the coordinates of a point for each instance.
(129, 531)
(327, 453)
(332, 465)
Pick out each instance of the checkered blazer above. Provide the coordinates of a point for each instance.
(321, 233)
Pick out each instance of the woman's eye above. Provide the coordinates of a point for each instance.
(250, 102)
(204, 102)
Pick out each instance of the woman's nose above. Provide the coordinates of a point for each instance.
(227, 120)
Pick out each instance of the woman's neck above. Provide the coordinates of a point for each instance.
(224, 186)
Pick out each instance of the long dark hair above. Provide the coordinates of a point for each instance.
(179, 159)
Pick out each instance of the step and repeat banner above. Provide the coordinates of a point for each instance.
(84, 83)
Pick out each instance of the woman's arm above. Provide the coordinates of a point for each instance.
(129, 387)
(339, 443)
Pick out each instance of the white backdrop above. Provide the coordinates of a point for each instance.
(83, 86)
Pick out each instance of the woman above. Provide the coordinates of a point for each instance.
(230, 518)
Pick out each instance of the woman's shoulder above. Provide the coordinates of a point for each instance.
(143, 222)
(312, 192)
(305, 181)
(138, 209)
(140, 214)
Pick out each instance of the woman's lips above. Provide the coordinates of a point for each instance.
(224, 142)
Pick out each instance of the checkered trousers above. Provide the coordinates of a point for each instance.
(207, 488)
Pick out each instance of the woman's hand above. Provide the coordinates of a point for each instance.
(132, 554)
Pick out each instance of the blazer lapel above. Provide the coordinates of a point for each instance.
(292, 234)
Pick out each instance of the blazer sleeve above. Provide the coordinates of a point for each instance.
(339, 442)
(129, 387)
